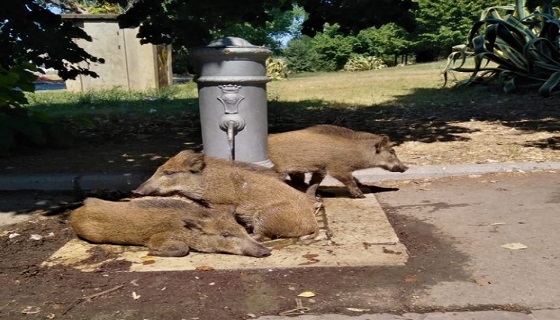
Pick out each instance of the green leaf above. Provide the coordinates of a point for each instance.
(548, 87)
(6, 137)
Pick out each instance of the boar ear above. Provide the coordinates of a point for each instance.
(231, 210)
(381, 143)
(195, 163)
(192, 224)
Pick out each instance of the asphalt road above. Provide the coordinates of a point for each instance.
(490, 243)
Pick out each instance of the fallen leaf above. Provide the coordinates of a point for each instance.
(514, 246)
(5, 233)
(389, 251)
(13, 235)
(135, 296)
(410, 278)
(204, 268)
(36, 237)
(306, 294)
(31, 310)
(482, 282)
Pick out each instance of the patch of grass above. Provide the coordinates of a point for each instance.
(417, 86)
(116, 101)
(385, 86)
(409, 100)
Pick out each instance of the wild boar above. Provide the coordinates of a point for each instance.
(332, 150)
(169, 227)
(263, 202)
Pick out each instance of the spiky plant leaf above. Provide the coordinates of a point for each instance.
(521, 45)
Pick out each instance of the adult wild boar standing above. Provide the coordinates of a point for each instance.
(332, 150)
(167, 226)
(262, 201)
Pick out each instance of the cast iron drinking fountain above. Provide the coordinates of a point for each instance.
(231, 78)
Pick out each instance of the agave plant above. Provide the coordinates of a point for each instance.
(276, 69)
(514, 46)
(361, 63)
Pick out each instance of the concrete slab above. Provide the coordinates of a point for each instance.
(360, 235)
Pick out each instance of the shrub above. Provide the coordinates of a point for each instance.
(361, 63)
(276, 69)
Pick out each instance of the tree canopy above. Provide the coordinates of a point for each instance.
(31, 36)
(190, 22)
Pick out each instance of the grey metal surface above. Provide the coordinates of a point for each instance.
(231, 78)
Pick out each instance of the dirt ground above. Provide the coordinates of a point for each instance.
(34, 292)
(526, 131)
(514, 128)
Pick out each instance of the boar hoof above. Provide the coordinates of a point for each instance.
(168, 248)
(169, 252)
(260, 238)
(320, 235)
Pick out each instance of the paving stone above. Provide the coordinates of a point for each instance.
(475, 315)
(550, 314)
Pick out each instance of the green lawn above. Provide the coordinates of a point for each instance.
(414, 85)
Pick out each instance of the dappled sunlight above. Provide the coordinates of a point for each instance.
(430, 124)
(361, 89)
(552, 142)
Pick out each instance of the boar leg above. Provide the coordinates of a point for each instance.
(297, 178)
(260, 237)
(168, 244)
(317, 177)
(348, 180)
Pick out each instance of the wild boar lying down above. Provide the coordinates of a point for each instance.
(333, 150)
(262, 201)
(167, 226)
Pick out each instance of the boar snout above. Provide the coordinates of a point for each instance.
(138, 192)
(258, 251)
(399, 168)
(144, 189)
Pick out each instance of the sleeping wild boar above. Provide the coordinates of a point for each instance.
(332, 150)
(263, 202)
(167, 226)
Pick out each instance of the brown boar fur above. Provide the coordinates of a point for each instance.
(263, 202)
(343, 132)
(333, 150)
(167, 226)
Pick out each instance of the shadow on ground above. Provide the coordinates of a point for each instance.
(427, 115)
(139, 142)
